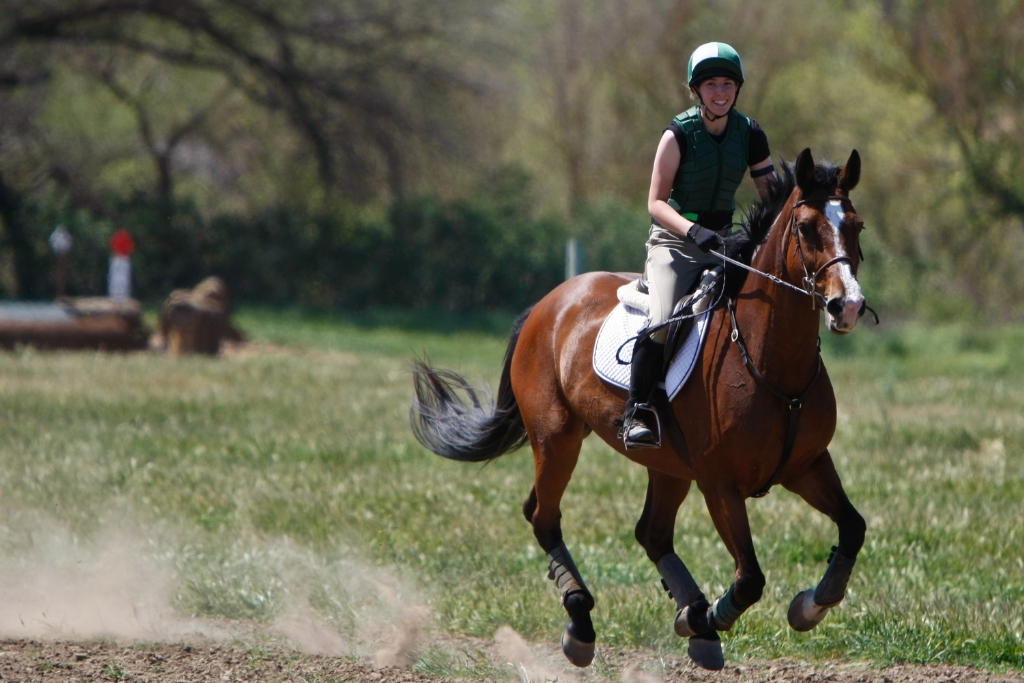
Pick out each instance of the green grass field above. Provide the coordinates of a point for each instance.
(288, 481)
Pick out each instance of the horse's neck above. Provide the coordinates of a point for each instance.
(780, 325)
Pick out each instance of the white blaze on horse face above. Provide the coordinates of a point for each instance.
(853, 298)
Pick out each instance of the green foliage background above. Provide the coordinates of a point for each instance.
(439, 154)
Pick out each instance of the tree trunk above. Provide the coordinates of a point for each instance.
(16, 238)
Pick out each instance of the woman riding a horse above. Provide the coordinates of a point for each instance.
(701, 160)
(758, 408)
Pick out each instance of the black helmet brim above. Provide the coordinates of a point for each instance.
(712, 70)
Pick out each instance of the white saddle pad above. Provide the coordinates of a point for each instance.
(624, 322)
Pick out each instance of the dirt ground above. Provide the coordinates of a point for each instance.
(43, 660)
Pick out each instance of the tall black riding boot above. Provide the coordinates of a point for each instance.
(640, 425)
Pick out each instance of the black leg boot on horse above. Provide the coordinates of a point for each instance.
(641, 427)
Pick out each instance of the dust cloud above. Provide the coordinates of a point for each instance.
(312, 636)
(121, 585)
(530, 665)
(631, 674)
(115, 588)
(368, 616)
(408, 636)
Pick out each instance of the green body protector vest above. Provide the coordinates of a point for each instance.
(712, 171)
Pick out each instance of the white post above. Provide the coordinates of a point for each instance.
(573, 260)
(119, 279)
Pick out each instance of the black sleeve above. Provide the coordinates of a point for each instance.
(757, 149)
(681, 139)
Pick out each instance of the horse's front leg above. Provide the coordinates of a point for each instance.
(655, 532)
(729, 513)
(821, 488)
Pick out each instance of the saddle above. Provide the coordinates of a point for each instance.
(636, 295)
(614, 345)
(687, 331)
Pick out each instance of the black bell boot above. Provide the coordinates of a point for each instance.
(640, 425)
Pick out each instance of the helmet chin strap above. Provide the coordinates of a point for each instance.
(706, 113)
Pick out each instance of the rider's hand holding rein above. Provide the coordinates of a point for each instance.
(705, 239)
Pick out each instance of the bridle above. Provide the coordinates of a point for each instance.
(811, 280)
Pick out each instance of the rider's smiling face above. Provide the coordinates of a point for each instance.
(718, 94)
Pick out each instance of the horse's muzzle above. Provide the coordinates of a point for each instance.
(843, 312)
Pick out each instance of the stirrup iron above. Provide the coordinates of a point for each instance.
(630, 421)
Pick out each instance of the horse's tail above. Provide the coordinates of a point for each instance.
(469, 432)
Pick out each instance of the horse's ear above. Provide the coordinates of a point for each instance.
(850, 175)
(805, 171)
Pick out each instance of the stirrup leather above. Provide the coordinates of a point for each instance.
(630, 420)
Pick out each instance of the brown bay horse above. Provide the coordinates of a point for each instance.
(758, 410)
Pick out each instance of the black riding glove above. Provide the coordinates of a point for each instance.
(705, 239)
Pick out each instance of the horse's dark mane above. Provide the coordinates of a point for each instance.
(761, 215)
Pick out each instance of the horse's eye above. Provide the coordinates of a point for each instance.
(806, 229)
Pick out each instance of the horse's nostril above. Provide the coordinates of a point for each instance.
(835, 307)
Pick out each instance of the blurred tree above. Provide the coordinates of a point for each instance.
(965, 61)
(16, 236)
(161, 148)
(372, 95)
(267, 130)
(591, 82)
(363, 83)
(967, 58)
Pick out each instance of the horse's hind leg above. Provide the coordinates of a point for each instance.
(555, 456)
(655, 532)
(821, 488)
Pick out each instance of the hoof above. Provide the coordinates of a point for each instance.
(576, 651)
(682, 624)
(804, 614)
(706, 652)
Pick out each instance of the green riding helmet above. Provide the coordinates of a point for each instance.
(714, 59)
